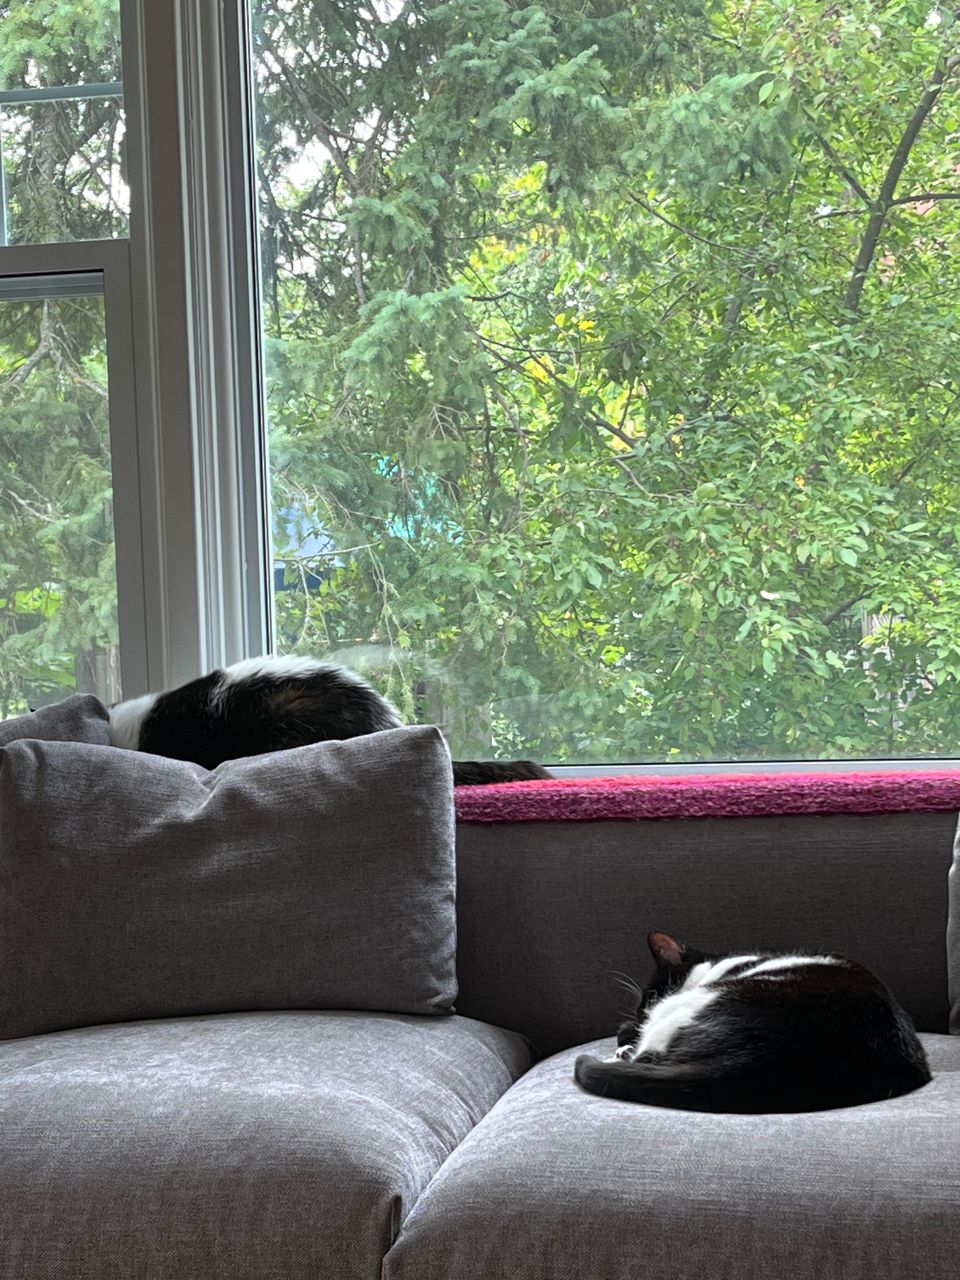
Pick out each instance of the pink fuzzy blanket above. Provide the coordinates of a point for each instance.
(708, 796)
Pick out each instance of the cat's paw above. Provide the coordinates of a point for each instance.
(624, 1053)
(627, 1032)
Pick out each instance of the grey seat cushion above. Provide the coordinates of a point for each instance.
(555, 1184)
(233, 1147)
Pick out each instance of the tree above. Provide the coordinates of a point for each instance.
(615, 345)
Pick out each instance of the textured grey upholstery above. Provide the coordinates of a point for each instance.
(285, 1146)
(140, 887)
(953, 939)
(81, 718)
(550, 913)
(557, 1185)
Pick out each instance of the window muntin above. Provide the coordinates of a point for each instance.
(612, 400)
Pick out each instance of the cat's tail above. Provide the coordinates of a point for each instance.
(477, 773)
(699, 1086)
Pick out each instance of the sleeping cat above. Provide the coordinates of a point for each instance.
(269, 704)
(759, 1033)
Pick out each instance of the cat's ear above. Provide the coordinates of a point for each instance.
(666, 950)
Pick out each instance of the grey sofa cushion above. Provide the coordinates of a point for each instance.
(138, 887)
(953, 937)
(81, 718)
(551, 914)
(555, 1183)
(284, 1146)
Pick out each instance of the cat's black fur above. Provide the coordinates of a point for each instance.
(808, 1037)
(277, 705)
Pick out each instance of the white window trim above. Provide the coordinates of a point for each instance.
(193, 268)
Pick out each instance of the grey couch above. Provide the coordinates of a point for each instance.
(302, 1145)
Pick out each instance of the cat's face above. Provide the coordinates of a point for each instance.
(673, 960)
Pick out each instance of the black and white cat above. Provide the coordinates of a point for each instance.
(270, 704)
(759, 1033)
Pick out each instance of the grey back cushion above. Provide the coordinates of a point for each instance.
(133, 886)
(553, 916)
(81, 718)
(953, 938)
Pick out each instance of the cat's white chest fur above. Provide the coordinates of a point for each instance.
(676, 1011)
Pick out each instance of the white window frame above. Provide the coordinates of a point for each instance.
(195, 280)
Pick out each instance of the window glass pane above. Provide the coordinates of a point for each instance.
(612, 366)
(58, 593)
(62, 171)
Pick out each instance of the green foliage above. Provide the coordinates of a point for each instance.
(62, 160)
(566, 361)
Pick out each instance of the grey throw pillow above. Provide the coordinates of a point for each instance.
(133, 886)
(81, 718)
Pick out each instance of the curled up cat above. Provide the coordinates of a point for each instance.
(759, 1033)
(270, 704)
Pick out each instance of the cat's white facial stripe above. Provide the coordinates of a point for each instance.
(126, 720)
(785, 962)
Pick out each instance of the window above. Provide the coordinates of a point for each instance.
(612, 369)
(608, 354)
(61, 183)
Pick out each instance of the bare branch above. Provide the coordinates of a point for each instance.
(885, 200)
(923, 196)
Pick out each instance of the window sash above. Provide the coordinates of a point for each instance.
(103, 266)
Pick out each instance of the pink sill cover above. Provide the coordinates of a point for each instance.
(745, 795)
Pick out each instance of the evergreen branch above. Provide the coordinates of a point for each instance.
(323, 555)
(318, 124)
(42, 351)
